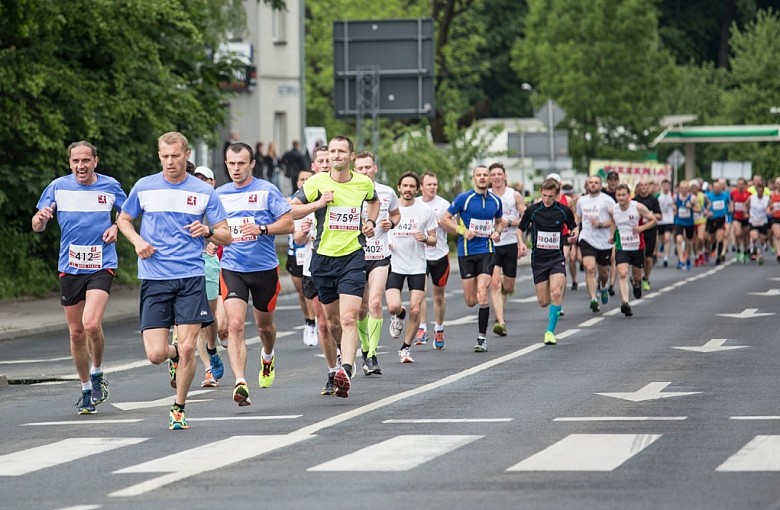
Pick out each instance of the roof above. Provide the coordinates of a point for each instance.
(719, 134)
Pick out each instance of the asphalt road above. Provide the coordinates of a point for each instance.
(615, 416)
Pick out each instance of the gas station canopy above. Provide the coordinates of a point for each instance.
(719, 134)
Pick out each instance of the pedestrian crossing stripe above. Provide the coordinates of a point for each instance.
(587, 452)
(760, 454)
(61, 452)
(401, 453)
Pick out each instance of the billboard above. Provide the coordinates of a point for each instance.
(631, 172)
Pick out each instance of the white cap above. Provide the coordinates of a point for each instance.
(205, 172)
(556, 177)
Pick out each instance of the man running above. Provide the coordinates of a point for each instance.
(377, 254)
(666, 224)
(257, 211)
(338, 265)
(82, 202)
(295, 255)
(650, 235)
(545, 220)
(594, 220)
(505, 256)
(628, 236)
(719, 207)
(685, 204)
(479, 226)
(415, 230)
(170, 261)
(740, 227)
(438, 262)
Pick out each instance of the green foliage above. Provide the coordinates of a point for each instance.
(23, 274)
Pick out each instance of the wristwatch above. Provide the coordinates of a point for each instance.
(211, 233)
(263, 230)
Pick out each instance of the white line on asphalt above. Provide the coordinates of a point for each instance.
(81, 507)
(20, 361)
(238, 418)
(752, 418)
(760, 454)
(651, 295)
(620, 418)
(450, 420)
(160, 402)
(612, 312)
(85, 421)
(590, 322)
(566, 334)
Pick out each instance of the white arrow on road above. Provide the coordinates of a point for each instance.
(747, 313)
(770, 292)
(650, 392)
(714, 345)
(167, 401)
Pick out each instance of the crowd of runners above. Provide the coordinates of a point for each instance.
(355, 246)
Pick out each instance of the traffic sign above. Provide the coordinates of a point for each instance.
(676, 159)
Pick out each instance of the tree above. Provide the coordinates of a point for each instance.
(602, 62)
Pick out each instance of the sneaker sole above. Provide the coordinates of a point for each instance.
(86, 411)
(209, 384)
(178, 426)
(480, 349)
(420, 342)
(342, 383)
(407, 360)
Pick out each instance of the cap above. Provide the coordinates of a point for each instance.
(613, 175)
(555, 176)
(567, 189)
(205, 172)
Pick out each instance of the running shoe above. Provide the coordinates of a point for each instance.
(594, 305)
(626, 309)
(341, 382)
(604, 296)
(267, 372)
(611, 291)
(646, 285)
(680, 266)
(561, 313)
(85, 405)
(99, 388)
(574, 285)
(177, 420)
(438, 337)
(637, 288)
(760, 260)
(422, 337)
(481, 345)
(375, 363)
(549, 338)
(365, 363)
(173, 364)
(500, 329)
(688, 265)
(217, 367)
(666, 261)
(329, 388)
(209, 381)
(241, 395)
(405, 355)
(310, 335)
(396, 326)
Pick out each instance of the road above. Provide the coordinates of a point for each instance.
(675, 407)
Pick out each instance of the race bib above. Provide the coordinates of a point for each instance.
(629, 241)
(548, 240)
(373, 250)
(234, 224)
(684, 212)
(344, 218)
(718, 205)
(406, 228)
(739, 206)
(776, 206)
(481, 228)
(85, 257)
(300, 256)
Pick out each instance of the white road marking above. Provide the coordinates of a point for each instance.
(770, 292)
(85, 421)
(81, 507)
(590, 322)
(650, 392)
(752, 418)
(620, 418)
(450, 420)
(747, 313)
(651, 295)
(531, 299)
(714, 345)
(20, 361)
(239, 418)
(165, 401)
(760, 454)
(400, 453)
(566, 334)
(53, 454)
(203, 459)
(587, 452)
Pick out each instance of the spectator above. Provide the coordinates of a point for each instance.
(272, 162)
(293, 162)
(259, 170)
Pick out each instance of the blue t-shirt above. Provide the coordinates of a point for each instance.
(719, 203)
(684, 216)
(166, 209)
(258, 202)
(84, 214)
(476, 212)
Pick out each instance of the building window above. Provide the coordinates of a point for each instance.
(280, 131)
(279, 26)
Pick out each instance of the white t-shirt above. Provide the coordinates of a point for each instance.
(511, 212)
(442, 249)
(589, 208)
(625, 221)
(376, 247)
(409, 253)
(757, 210)
(666, 202)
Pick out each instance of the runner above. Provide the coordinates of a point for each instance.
(758, 209)
(571, 251)
(545, 220)
(257, 211)
(479, 226)
(170, 261)
(507, 247)
(628, 236)
(684, 206)
(720, 206)
(82, 202)
(594, 220)
(415, 230)
(774, 204)
(438, 262)
(294, 266)
(666, 223)
(650, 235)
(699, 251)
(338, 265)
(377, 255)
